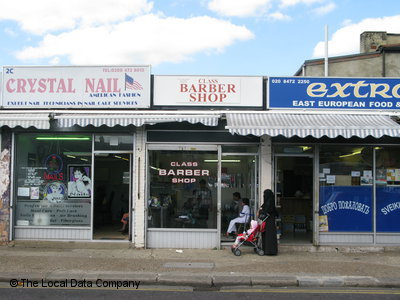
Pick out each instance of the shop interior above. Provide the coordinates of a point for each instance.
(174, 203)
(294, 199)
(111, 196)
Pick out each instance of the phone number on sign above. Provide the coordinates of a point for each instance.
(119, 70)
(291, 81)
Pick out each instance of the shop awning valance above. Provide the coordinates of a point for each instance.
(111, 119)
(25, 120)
(316, 125)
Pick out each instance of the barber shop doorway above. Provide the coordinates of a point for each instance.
(294, 198)
(112, 196)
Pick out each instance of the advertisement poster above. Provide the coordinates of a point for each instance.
(76, 87)
(334, 93)
(347, 208)
(79, 181)
(323, 223)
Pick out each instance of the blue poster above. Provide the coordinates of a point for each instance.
(348, 208)
(388, 209)
(334, 93)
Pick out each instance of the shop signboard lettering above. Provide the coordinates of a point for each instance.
(208, 91)
(76, 87)
(40, 213)
(334, 93)
(347, 208)
(388, 208)
(184, 172)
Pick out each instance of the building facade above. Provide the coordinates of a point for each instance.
(81, 147)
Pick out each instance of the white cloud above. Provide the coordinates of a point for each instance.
(279, 16)
(239, 8)
(41, 16)
(10, 32)
(148, 39)
(288, 3)
(323, 10)
(347, 39)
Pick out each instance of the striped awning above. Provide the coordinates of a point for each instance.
(315, 125)
(25, 120)
(111, 119)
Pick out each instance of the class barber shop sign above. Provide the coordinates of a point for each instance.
(209, 91)
(334, 93)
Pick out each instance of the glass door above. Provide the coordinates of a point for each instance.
(112, 190)
(239, 181)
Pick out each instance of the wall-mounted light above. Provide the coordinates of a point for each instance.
(223, 160)
(351, 154)
(62, 138)
(120, 157)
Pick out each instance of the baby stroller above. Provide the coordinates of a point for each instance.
(253, 237)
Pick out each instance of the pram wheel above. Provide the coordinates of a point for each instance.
(260, 252)
(237, 252)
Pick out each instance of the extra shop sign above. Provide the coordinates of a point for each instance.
(76, 87)
(334, 93)
(209, 91)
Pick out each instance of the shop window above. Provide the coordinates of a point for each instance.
(182, 189)
(113, 142)
(387, 189)
(346, 188)
(53, 180)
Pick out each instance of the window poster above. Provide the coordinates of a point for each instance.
(347, 208)
(79, 182)
(55, 192)
(323, 223)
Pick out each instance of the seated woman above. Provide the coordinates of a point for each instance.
(243, 217)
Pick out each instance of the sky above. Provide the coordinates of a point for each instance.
(188, 37)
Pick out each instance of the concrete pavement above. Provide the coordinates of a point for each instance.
(303, 266)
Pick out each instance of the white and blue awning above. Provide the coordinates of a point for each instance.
(25, 120)
(302, 125)
(137, 119)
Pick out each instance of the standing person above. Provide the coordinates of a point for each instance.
(270, 242)
(203, 198)
(243, 217)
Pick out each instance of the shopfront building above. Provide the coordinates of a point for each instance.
(334, 158)
(71, 165)
(174, 162)
(193, 171)
(74, 175)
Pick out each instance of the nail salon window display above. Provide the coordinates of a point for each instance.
(346, 188)
(53, 184)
